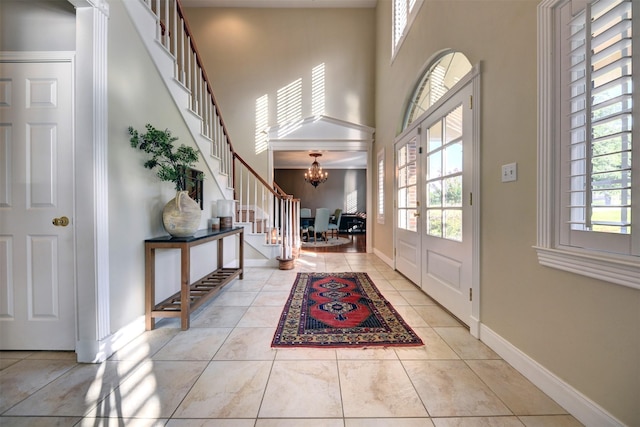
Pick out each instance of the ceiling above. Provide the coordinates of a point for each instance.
(281, 3)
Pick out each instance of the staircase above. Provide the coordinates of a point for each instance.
(270, 216)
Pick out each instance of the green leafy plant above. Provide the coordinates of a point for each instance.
(171, 163)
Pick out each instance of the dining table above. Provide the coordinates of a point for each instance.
(306, 221)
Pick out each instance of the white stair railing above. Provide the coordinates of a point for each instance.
(268, 210)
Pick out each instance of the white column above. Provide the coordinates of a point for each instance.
(91, 180)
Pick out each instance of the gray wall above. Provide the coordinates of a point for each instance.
(37, 25)
(343, 188)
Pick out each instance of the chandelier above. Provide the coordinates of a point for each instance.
(314, 175)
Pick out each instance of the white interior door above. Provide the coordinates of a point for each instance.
(408, 226)
(447, 240)
(37, 303)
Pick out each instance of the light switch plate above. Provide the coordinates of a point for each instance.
(509, 172)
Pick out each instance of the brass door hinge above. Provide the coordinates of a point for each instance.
(471, 102)
(470, 294)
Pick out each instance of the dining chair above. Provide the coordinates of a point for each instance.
(320, 224)
(305, 222)
(334, 224)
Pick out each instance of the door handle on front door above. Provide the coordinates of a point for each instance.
(63, 221)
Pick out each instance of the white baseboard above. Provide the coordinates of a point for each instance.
(474, 326)
(383, 257)
(99, 351)
(582, 408)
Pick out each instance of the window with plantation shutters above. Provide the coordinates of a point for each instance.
(587, 167)
(404, 11)
(598, 110)
(380, 211)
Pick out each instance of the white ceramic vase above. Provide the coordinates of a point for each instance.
(181, 215)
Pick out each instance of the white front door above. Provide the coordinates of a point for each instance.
(408, 226)
(37, 298)
(447, 249)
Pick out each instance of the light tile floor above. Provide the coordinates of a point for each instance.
(223, 371)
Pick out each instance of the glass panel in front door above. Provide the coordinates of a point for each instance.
(443, 178)
(407, 186)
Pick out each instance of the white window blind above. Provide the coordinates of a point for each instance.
(380, 216)
(400, 16)
(404, 12)
(598, 108)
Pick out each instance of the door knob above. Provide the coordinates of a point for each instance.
(63, 221)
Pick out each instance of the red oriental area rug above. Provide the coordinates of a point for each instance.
(340, 310)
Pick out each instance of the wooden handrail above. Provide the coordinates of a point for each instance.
(283, 193)
(255, 174)
(279, 189)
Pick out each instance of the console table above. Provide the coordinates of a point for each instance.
(191, 295)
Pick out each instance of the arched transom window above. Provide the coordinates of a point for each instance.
(443, 73)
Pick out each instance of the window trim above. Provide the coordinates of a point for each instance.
(616, 269)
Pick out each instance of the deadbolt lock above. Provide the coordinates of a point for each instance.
(63, 221)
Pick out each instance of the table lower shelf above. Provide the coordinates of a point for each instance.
(199, 292)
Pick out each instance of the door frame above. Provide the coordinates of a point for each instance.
(471, 78)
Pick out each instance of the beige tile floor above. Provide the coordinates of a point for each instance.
(223, 371)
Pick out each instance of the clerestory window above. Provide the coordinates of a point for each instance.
(404, 12)
(381, 166)
(587, 168)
